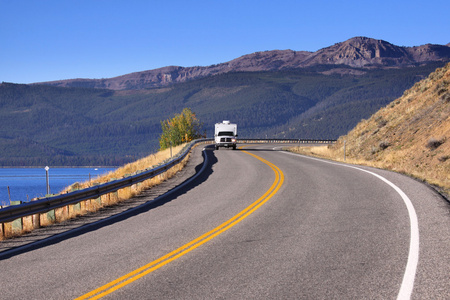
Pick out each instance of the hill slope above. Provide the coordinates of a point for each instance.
(358, 52)
(45, 125)
(410, 135)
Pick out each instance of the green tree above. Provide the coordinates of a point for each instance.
(182, 128)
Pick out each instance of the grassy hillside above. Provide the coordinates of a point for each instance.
(43, 125)
(410, 135)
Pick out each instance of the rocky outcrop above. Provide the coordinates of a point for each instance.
(365, 52)
(358, 52)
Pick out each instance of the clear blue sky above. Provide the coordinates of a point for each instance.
(43, 40)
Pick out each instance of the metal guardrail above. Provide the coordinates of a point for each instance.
(286, 141)
(44, 205)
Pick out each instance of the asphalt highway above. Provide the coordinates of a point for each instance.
(256, 223)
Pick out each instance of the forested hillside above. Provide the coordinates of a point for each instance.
(44, 125)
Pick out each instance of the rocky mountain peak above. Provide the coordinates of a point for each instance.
(360, 52)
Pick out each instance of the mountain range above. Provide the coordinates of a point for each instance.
(358, 52)
(276, 94)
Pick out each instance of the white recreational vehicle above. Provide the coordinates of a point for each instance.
(225, 135)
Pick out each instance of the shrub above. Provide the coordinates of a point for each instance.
(441, 91)
(182, 128)
(434, 143)
(441, 88)
(445, 97)
(384, 144)
(380, 121)
(443, 158)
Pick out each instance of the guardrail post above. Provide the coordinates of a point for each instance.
(104, 199)
(83, 205)
(98, 201)
(36, 219)
(27, 223)
(48, 217)
(75, 208)
(17, 224)
(95, 202)
(62, 213)
(114, 196)
(2, 228)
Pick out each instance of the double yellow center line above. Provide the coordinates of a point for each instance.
(154, 265)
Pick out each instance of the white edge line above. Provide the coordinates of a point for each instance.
(413, 257)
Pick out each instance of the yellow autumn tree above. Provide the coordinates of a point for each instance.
(182, 128)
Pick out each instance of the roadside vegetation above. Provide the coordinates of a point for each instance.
(92, 205)
(183, 128)
(411, 135)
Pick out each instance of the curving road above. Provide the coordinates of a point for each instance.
(270, 226)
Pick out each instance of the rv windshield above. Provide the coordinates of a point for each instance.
(225, 133)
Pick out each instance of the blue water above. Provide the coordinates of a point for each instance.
(28, 183)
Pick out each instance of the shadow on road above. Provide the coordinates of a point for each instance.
(202, 172)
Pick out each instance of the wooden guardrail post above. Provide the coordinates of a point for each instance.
(47, 218)
(74, 208)
(36, 219)
(17, 224)
(98, 201)
(2, 228)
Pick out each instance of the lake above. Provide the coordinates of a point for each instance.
(28, 183)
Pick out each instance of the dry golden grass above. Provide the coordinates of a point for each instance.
(411, 135)
(142, 164)
(72, 211)
(126, 193)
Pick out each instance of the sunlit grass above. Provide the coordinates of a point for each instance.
(411, 135)
(91, 205)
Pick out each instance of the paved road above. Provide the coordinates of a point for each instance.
(310, 230)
